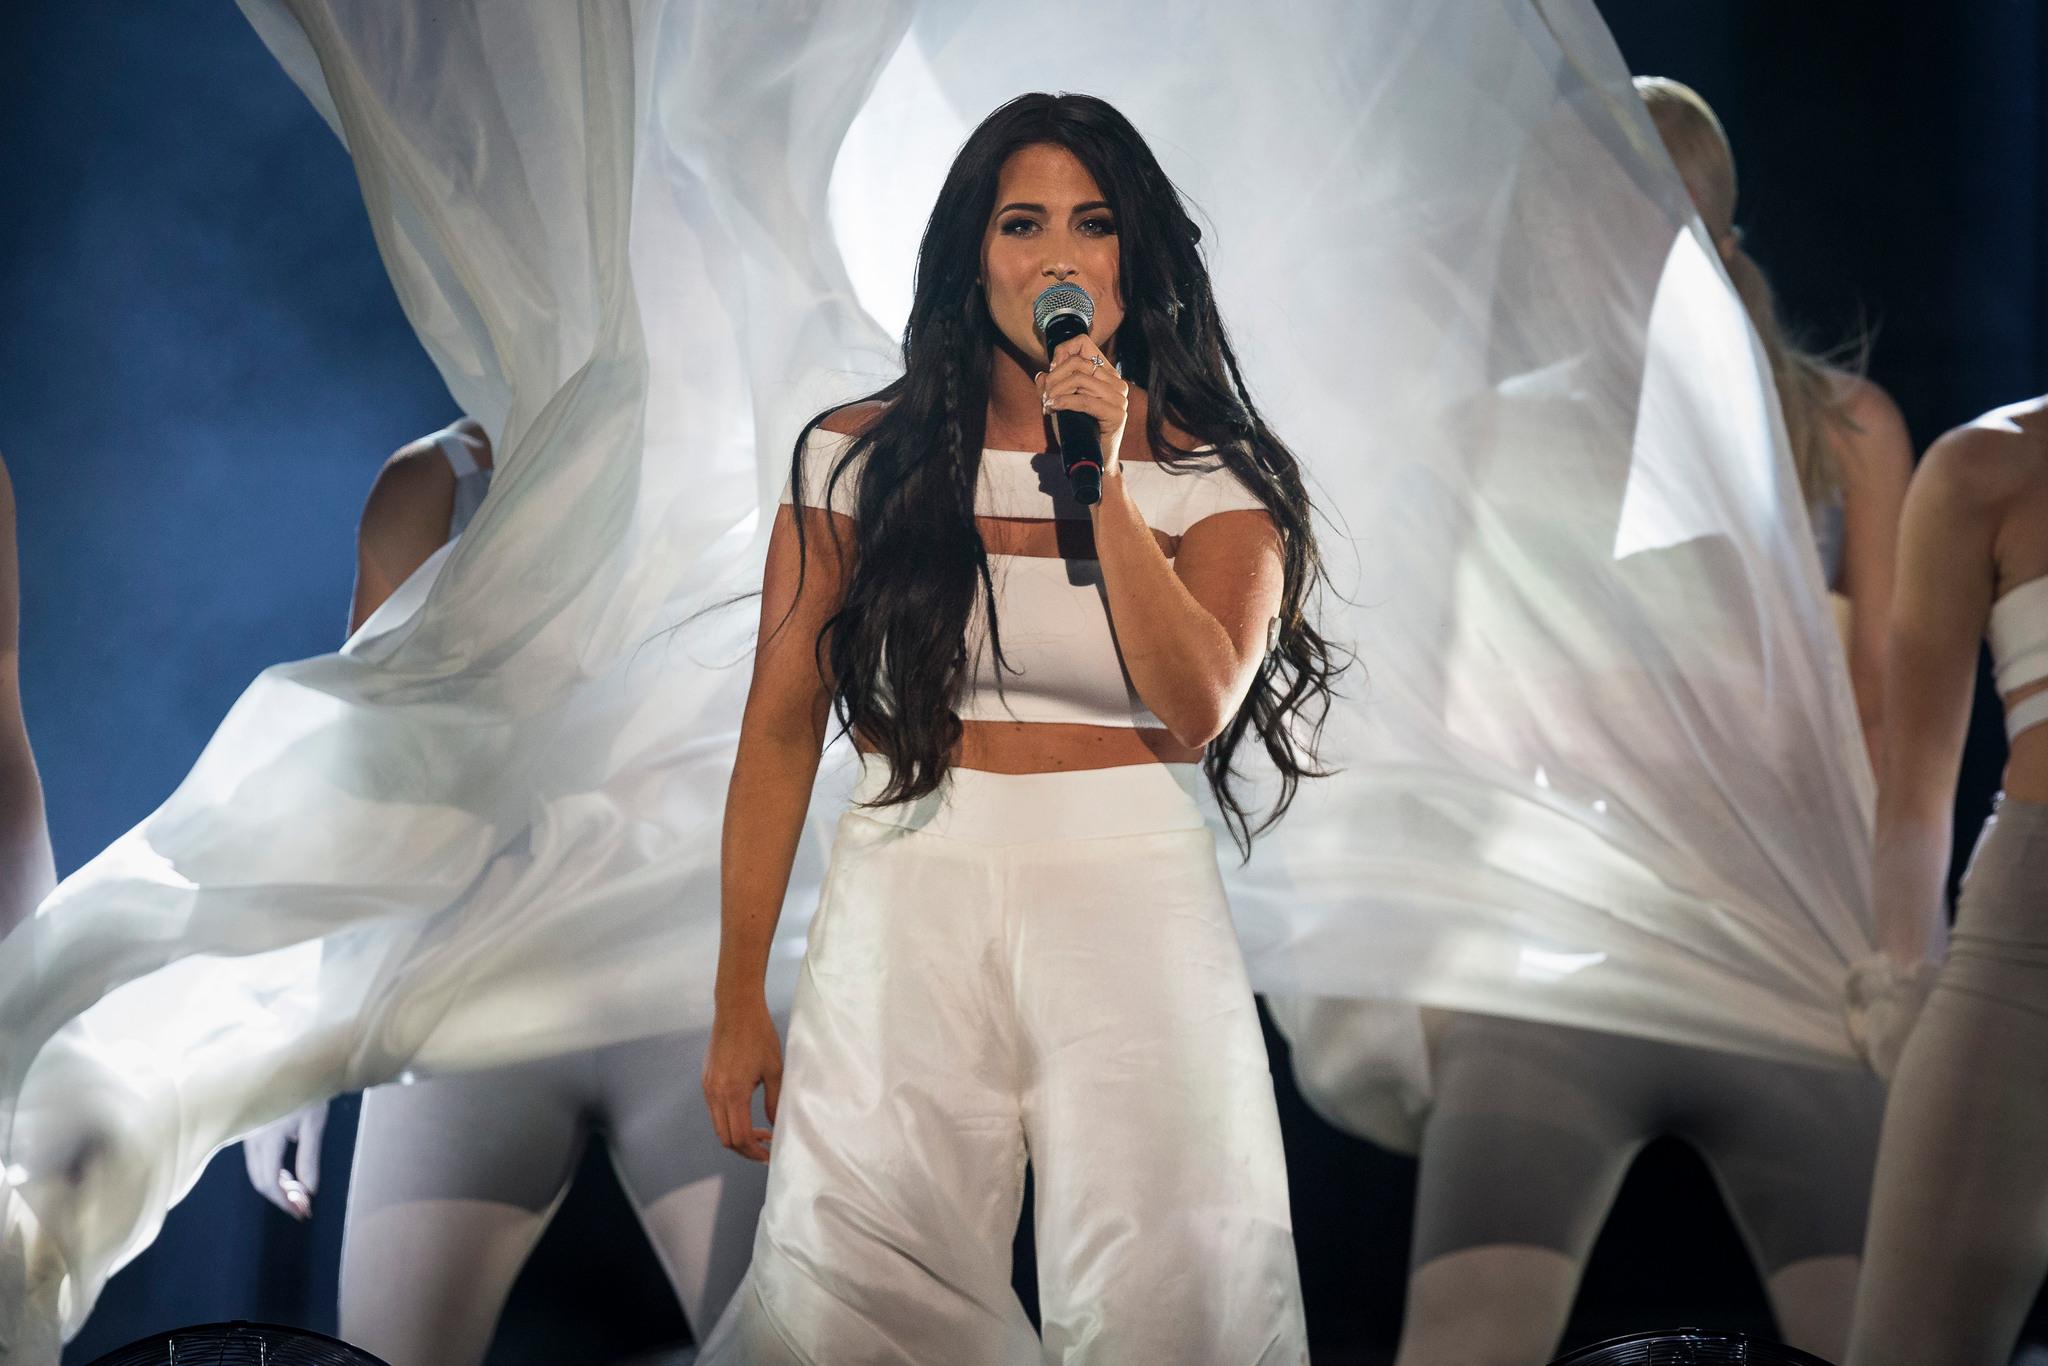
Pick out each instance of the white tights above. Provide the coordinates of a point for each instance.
(1959, 1219)
(1532, 1131)
(455, 1179)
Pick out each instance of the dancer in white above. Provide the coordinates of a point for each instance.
(1023, 949)
(1849, 442)
(1958, 1239)
(455, 1178)
(27, 869)
(1533, 1126)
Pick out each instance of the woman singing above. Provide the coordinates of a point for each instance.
(1023, 950)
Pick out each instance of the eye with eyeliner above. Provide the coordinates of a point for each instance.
(1096, 226)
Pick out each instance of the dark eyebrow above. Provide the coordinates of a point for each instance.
(1090, 207)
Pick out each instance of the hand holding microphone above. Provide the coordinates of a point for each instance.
(1088, 400)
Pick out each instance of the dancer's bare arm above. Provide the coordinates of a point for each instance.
(30, 870)
(405, 520)
(1877, 463)
(1939, 612)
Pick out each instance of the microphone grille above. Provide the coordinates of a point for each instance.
(1064, 297)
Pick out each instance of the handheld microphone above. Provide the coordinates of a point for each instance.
(1061, 313)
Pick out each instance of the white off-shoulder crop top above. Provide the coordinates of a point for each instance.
(2019, 650)
(1061, 662)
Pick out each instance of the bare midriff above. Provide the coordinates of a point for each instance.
(2026, 767)
(2020, 549)
(1060, 747)
(1055, 747)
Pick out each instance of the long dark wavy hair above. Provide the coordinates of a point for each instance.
(896, 648)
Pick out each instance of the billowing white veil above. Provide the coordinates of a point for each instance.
(1599, 762)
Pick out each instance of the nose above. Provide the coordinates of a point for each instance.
(1059, 271)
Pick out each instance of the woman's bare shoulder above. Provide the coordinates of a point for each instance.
(855, 418)
(1874, 443)
(1864, 400)
(410, 499)
(416, 468)
(1996, 457)
(1171, 433)
(1179, 438)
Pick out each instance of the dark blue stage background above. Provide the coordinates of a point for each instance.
(202, 365)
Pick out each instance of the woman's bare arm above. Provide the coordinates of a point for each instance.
(1192, 630)
(1939, 611)
(405, 520)
(1877, 463)
(29, 868)
(782, 733)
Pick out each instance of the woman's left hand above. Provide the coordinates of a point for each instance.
(1884, 1000)
(1081, 380)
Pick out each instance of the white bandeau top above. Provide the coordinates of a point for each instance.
(2019, 650)
(1059, 651)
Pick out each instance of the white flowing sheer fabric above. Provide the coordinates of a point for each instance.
(1600, 767)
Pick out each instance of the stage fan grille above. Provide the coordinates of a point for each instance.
(238, 1344)
(1688, 1347)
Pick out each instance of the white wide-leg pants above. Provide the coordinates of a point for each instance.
(1037, 967)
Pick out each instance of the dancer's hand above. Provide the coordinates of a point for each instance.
(290, 1188)
(1884, 999)
(745, 1053)
(1081, 380)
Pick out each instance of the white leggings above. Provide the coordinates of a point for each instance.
(455, 1179)
(1533, 1128)
(1036, 966)
(1959, 1220)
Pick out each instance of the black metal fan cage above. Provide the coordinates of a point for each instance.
(1688, 1347)
(238, 1344)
